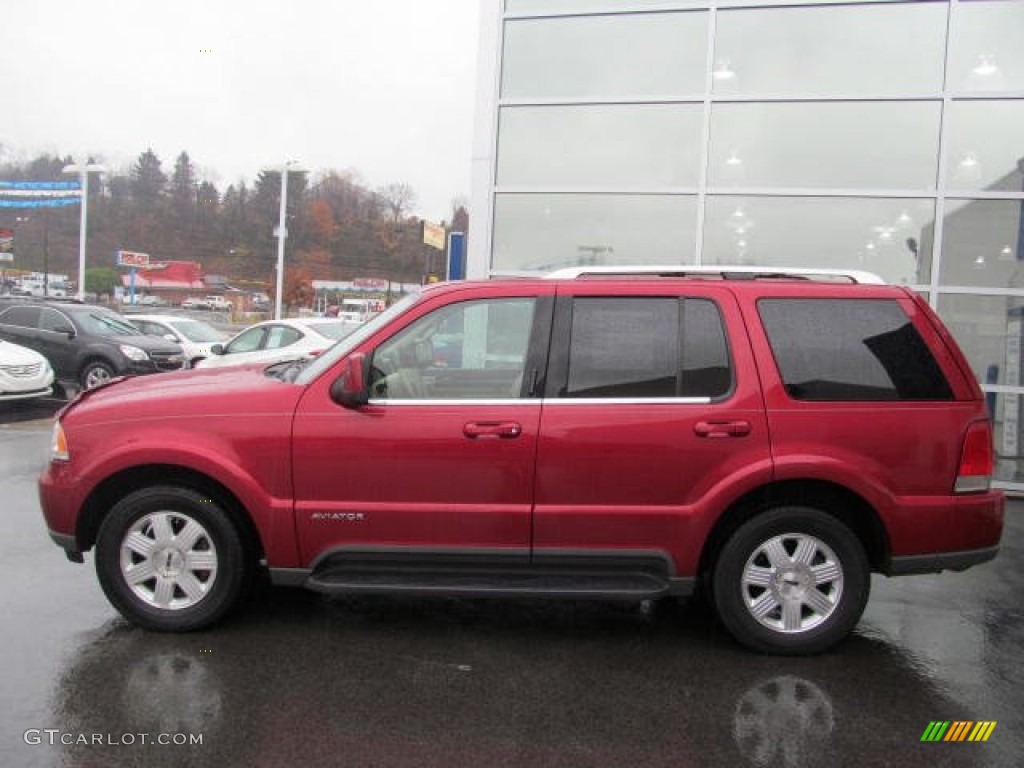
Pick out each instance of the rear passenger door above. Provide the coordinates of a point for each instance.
(652, 413)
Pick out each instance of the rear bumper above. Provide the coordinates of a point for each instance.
(934, 563)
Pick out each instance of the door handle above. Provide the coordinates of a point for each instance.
(722, 428)
(503, 429)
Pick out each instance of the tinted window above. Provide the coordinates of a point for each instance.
(26, 317)
(647, 347)
(51, 320)
(850, 350)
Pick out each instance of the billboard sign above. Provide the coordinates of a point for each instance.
(434, 235)
(133, 259)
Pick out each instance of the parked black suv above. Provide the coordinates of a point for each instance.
(85, 344)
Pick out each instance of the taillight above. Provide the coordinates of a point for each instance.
(975, 472)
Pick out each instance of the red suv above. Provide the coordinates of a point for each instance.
(770, 437)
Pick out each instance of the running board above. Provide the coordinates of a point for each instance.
(605, 585)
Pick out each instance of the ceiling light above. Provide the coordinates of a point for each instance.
(986, 66)
(723, 71)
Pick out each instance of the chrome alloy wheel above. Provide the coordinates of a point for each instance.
(96, 376)
(792, 583)
(168, 560)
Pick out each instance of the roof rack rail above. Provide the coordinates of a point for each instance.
(721, 271)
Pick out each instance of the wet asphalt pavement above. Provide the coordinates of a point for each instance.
(295, 679)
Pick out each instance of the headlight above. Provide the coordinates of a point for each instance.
(133, 353)
(59, 444)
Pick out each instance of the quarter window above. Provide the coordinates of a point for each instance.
(640, 347)
(853, 349)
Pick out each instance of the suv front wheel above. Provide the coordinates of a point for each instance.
(169, 559)
(95, 373)
(792, 580)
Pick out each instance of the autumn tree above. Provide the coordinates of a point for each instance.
(399, 199)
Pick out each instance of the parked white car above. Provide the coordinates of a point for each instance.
(194, 336)
(274, 341)
(24, 373)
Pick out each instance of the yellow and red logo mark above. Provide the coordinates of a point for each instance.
(958, 730)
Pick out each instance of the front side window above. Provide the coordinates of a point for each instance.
(854, 349)
(647, 347)
(51, 320)
(282, 336)
(247, 341)
(470, 350)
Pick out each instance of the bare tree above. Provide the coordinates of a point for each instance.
(399, 198)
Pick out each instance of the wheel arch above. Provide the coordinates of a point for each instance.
(831, 498)
(103, 497)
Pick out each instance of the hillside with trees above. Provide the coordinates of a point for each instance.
(338, 229)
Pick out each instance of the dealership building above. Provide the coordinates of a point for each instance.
(879, 136)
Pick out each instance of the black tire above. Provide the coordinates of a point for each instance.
(96, 372)
(808, 604)
(187, 557)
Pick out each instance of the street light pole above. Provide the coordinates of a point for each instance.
(83, 170)
(282, 231)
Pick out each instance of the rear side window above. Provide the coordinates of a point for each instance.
(25, 317)
(850, 349)
(646, 347)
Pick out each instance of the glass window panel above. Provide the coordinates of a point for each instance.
(982, 243)
(543, 232)
(986, 50)
(623, 145)
(1008, 418)
(848, 50)
(627, 56)
(989, 330)
(986, 144)
(871, 145)
(624, 347)
(853, 349)
(585, 6)
(890, 237)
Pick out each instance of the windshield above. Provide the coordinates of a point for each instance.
(354, 339)
(198, 331)
(106, 324)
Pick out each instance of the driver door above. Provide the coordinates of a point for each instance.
(441, 460)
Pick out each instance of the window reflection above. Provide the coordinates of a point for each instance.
(541, 232)
(867, 145)
(981, 243)
(846, 50)
(986, 51)
(986, 144)
(879, 235)
(621, 145)
(989, 331)
(625, 56)
(1008, 418)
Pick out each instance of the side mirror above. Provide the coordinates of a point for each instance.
(171, 337)
(65, 329)
(349, 390)
(217, 349)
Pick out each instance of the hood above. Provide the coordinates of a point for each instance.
(147, 343)
(234, 392)
(13, 354)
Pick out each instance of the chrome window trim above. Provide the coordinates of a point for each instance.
(548, 401)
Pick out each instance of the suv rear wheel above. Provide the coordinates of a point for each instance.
(792, 580)
(169, 559)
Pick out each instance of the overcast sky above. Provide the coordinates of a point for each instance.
(383, 87)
